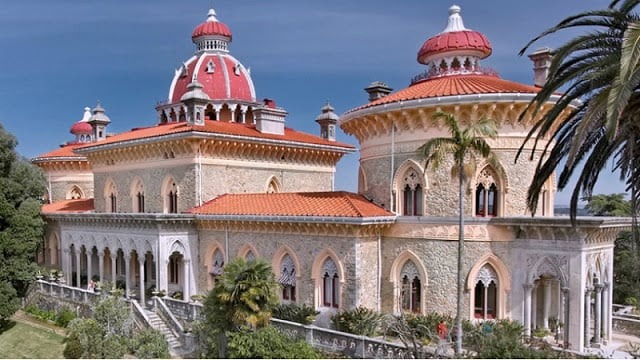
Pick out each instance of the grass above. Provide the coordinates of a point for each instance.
(20, 340)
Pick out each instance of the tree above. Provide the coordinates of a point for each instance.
(608, 205)
(596, 118)
(21, 227)
(465, 146)
(241, 299)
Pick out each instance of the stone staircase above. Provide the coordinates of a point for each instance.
(159, 324)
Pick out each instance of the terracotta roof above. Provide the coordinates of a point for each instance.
(321, 204)
(216, 127)
(454, 41)
(452, 86)
(62, 152)
(69, 206)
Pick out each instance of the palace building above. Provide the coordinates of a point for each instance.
(221, 176)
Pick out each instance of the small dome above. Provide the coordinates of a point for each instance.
(81, 128)
(211, 27)
(455, 38)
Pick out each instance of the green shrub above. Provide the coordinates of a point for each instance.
(72, 348)
(177, 295)
(40, 314)
(267, 343)
(360, 321)
(150, 344)
(302, 314)
(64, 316)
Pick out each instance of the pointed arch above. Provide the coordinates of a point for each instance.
(410, 184)
(286, 267)
(273, 185)
(110, 196)
(246, 250)
(489, 283)
(137, 195)
(403, 277)
(214, 262)
(74, 193)
(489, 190)
(170, 192)
(546, 267)
(328, 275)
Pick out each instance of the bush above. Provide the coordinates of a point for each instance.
(360, 321)
(150, 344)
(268, 343)
(40, 314)
(72, 348)
(177, 295)
(302, 314)
(64, 317)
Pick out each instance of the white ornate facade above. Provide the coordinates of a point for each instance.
(220, 176)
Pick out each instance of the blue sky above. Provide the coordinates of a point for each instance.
(60, 56)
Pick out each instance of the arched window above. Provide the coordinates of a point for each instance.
(137, 195)
(485, 295)
(487, 194)
(250, 256)
(171, 197)
(211, 67)
(111, 197)
(330, 284)
(218, 265)
(412, 195)
(75, 193)
(288, 279)
(411, 288)
(273, 187)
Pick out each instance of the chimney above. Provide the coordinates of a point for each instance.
(269, 118)
(541, 63)
(377, 90)
(327, 120)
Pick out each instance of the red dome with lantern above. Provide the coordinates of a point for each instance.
(455, 38)
(211, 27)
(81, 128)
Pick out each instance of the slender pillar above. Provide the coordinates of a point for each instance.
(597, 328)
(587, 317)
(127, 272)
(527, 309)
(606, 313)
(113, 268)
(89, 265)
(66, 260)
(141, 262)
(186, 263)
(485, 288)
(101, 265)
(534, 306)
(565, 317)
(78, 268)
(546, 306)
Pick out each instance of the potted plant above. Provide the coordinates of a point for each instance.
(39, 275)
(197, 298)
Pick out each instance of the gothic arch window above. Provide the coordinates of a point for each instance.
(75, 193)
(170, 195)
(137, 196)
(250, 256)
(111, 197)
(288, 279)
(211, 67)
(487, 194)
(411, 291)
(330, 284)
(412, 193)
(485, 294)
(217, 267)
(274, 186)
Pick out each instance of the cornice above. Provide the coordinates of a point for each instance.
(298, 228)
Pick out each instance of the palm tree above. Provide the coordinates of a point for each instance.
(242, 298)
(464, 145)
(598, 116)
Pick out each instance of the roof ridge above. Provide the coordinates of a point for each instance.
(350, 201)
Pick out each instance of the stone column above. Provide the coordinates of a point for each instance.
(101, 265)
(546, 306)
(89, 265)
(127, 272)
(597, 328)
(114, 257)
(78, 268)
(606, 313)
(187, 279)
(485, 289)
(587, 317)
(534, 306)
(565, 316)
(243, 112)
(66, 261)
(232, 109)
(527, 309)
(141, 262)
(163, 281)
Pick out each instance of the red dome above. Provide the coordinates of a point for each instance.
(221, 76)
(211, 27)
(81, 128)
(466, 40)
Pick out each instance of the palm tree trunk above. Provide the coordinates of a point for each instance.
(458, 349)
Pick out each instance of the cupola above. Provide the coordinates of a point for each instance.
(327, 120)
(82, 129)
(99, 121)
(212, 35)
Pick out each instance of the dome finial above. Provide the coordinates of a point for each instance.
(454, 23)
(211, 16)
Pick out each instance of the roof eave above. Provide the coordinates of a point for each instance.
(343, 220)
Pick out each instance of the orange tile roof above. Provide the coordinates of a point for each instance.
(62, 152)
(68, 206)
(216, 127)
(321, 204)
(452, 86)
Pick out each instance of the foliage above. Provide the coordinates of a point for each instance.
(150, 344)
(243, 297)
(626, 269)
(21, 226)
(608, 205)
(595, 118)
(268, 343)
(177, 295)
(64, 317)
(359, 321)
(300, 313)
(73, 348)
(40, 314)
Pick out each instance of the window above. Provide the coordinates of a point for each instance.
(113, 202)
(140, 198)
(218, 265)
(485, 294)
(174, 268)
(411, 291)
(288, 279)
(110, 197)
(412, 194)
(211, 67)
(249, 256)
(486, 195)
(137, 194)
(330, 284)
(75, 193)
(171, 204)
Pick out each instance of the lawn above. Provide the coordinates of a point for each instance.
(23, 341)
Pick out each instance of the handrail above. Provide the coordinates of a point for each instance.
(139, 312)
(172, 319)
